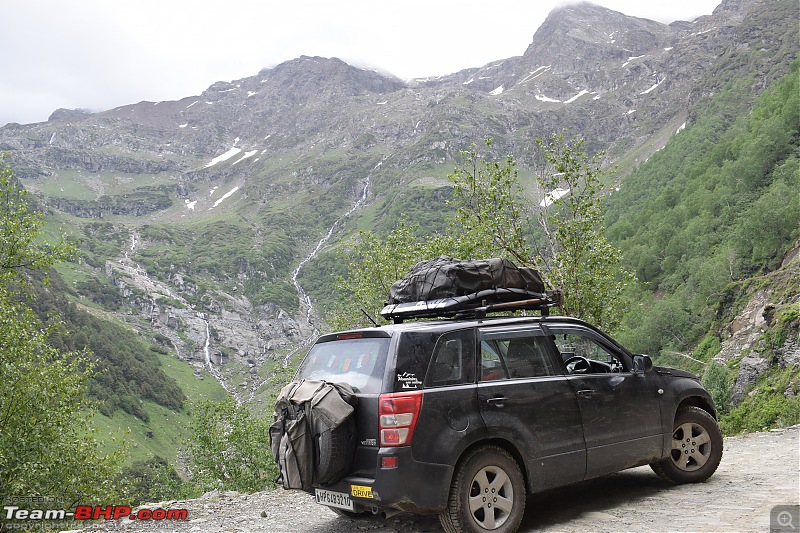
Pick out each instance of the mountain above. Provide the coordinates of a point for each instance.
(212, 217)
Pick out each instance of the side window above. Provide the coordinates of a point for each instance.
(453, 359)
(491, 365)
(526, 357)
(514, 354)
(582, 354)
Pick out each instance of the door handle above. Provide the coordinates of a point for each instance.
(585, 392)
(497, 400)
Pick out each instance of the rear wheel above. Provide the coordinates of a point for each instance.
(487, 493)
(696, 448)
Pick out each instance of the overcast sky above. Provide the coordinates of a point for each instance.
(100, 54)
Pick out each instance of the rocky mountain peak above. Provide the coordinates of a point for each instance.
(589, 33)
(314, 75)
(69, 114)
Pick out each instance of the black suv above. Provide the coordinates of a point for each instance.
(465, 417)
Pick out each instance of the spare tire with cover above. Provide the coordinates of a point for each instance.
(313, 435)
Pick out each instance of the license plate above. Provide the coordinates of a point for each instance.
(340, 500)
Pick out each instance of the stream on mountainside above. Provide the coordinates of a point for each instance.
(305, 299)
(135, 270)
(206, 351)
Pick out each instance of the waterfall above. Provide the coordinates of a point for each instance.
(305, 299)
(206, 350)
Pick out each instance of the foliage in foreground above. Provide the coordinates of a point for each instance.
(228, 448)
(154, 480)
(773, 402)
(47, 447)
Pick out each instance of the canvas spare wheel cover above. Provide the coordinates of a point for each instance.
(313, 434)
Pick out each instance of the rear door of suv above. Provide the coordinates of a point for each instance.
(524, 397)
(358, 358)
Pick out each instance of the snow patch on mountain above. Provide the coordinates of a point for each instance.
(224, 197)
(581, 93)
(227, 155)
(652, 87)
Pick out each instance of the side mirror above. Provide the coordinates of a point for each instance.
(642, 364)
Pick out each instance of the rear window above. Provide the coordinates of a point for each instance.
(357, 362)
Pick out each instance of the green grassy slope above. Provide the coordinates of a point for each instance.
(707, 224)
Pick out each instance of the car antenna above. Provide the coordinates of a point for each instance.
(370, 318)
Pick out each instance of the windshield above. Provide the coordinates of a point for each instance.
(357, 362)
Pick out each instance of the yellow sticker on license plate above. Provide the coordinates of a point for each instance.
(360, 491)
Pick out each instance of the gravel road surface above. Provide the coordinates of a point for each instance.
(758, 472)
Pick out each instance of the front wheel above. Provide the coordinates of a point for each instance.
(487, 494)
(696, 448)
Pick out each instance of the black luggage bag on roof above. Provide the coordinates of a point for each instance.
(447, 287)
(445, 277)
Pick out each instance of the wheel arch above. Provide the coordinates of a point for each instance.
(706, 404)
(503, 444)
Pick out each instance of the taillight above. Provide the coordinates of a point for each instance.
(399, 412)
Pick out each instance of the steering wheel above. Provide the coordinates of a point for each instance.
(578, 365)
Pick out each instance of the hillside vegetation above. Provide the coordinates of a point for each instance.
(707, 222)
(129, 368)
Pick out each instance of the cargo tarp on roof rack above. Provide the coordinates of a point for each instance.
(445, 277)
(449, 288)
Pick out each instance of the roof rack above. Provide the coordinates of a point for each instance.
(475, 305)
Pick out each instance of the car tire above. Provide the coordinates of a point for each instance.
(487, 493)
(696, 448)
(335, 451)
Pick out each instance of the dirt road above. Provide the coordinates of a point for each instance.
(758, 472)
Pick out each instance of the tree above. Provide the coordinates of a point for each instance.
(153, 480)
(580, 260)
(573, 256)
(491, 215)
(20, 247)
(374, 263)
(495, 219)
(47, 445)
(228, 448)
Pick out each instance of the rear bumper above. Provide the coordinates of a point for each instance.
(412, 486)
